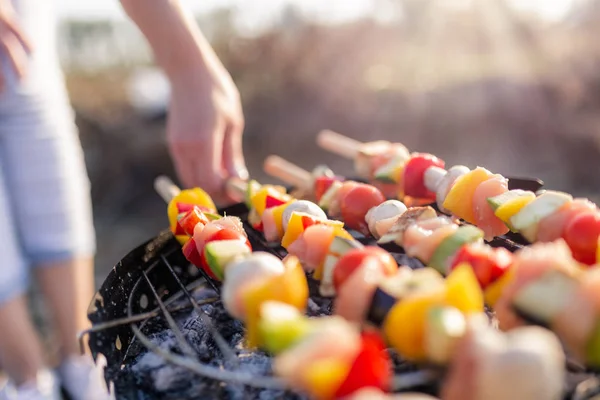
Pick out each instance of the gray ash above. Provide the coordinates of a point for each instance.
(157, 378)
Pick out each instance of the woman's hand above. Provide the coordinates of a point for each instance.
(205, 122)
(13, 41)
(204, 129)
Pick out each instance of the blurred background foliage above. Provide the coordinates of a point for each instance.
(477, 82)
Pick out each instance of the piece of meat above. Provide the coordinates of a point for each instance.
(396, 232)
(354, 297)
(485, 219)
(530, 263)
(312, 246)
(423, 237)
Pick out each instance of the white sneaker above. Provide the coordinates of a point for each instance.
(44, 387)
(82, 379)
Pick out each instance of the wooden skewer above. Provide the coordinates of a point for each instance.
(288, 172)
(338, 144)
(165, 187)
(236, 188)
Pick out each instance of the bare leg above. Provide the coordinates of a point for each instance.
(20, 349)
(68, 287)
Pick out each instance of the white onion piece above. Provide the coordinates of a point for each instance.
(246, 271)
(304, 206)
(432, 177)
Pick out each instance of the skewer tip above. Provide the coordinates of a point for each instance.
(236, 188)
(165, 187)
(288, 172)
(338, 143)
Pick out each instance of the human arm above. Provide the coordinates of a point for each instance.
(205, 122)
(14, 43)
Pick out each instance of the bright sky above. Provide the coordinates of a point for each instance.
(262, 11)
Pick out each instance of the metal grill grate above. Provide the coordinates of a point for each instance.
(149, 290)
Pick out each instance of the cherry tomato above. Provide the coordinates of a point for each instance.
(372, 367)
(414, 175)
(581, 234)
(353, 259)
(356, 203)
(488, 263)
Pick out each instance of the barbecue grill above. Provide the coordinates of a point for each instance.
(160, 325)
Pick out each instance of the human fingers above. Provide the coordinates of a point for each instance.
(233, 153)
(13, 25)
(14, 51)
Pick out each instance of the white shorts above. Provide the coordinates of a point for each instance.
(45, 204)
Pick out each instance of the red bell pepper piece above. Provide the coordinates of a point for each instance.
(259, 227)
(372, 367)
(190, 251)
(272, 201)
(190, 219)
(221, 234)
(178, 229)
(414, 175)
(487, 263)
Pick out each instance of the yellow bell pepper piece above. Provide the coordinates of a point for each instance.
(182, 239)
(460, 198)
(510, 208)
(493, 292)
(338, 230)
(463, 290)
(194, 196)
(296, 224)
(397, 173)
(404, 326)
(290, 288)
(278, 216)
(259, 200)
(324, 376)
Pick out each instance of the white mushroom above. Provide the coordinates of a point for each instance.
(529, 358)
(432, 177)
(386, 210)
(304, 206)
